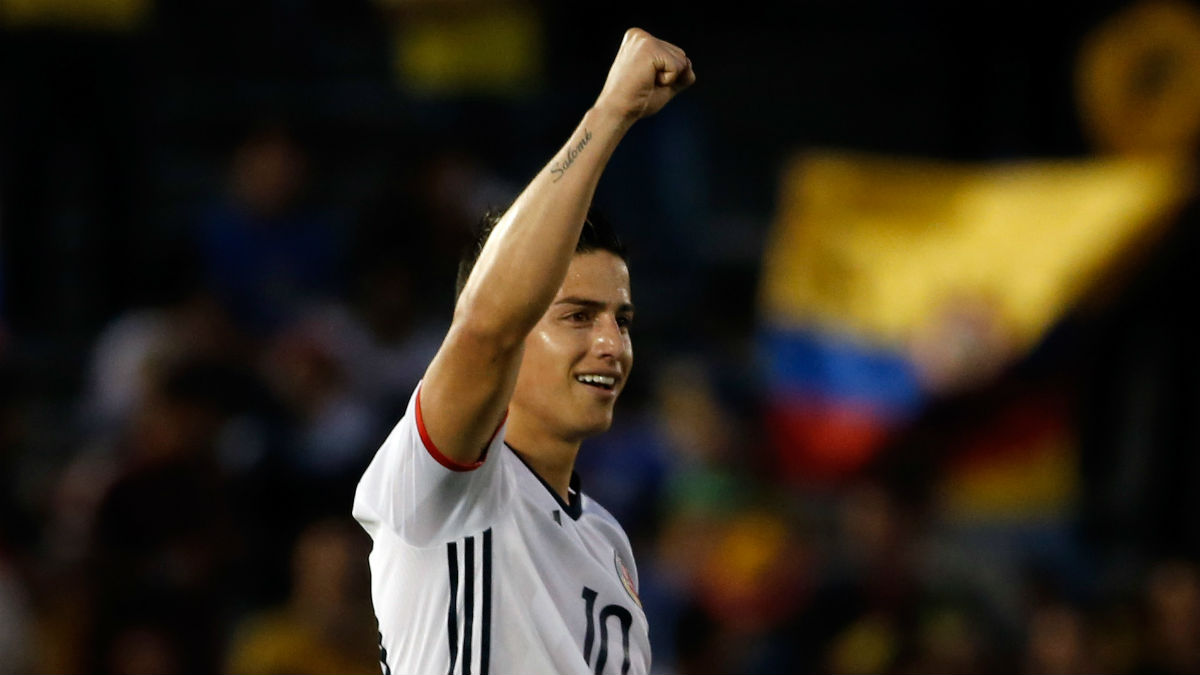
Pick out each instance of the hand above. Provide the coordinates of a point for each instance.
(646, 73)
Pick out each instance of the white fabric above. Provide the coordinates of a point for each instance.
(537, 577)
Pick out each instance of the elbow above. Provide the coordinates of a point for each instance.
(486, 330)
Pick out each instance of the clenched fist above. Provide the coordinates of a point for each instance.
(646, 73)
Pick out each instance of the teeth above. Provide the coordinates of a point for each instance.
(597, 379)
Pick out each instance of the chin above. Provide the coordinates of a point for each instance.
(596, 426)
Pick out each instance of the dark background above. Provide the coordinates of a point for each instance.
(114, 144)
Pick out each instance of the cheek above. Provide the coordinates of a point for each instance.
(547, 350)
(540, 340)
(540, 346)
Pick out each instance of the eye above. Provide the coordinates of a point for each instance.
(625, 322)
(579, 317)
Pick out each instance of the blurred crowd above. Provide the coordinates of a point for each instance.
(178, 459)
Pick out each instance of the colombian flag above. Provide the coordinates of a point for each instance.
(889, 280)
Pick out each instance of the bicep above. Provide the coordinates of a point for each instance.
(465, 391)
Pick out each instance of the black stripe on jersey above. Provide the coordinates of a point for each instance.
(485, 629)
(464, 649)
(468, 602)
(387, 670)
(452, 615)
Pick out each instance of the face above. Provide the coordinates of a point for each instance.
(577, 359)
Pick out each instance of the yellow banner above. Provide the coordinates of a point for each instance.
(115, 15)
(883, 247)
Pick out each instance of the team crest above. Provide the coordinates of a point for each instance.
(626, 577)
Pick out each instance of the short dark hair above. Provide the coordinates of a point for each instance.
(597, 234)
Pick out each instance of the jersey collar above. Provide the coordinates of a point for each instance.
(573, 508)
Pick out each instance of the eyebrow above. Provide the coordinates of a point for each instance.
(593, 304)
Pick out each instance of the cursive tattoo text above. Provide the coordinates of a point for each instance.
(559, 168)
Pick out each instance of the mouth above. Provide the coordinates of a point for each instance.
(602, 382)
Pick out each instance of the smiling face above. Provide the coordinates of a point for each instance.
(577, 358)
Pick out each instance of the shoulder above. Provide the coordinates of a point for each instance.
(598, 517)
(595, 508)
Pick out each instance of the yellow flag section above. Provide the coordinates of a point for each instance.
(880, 247)
(114, 15)
(490, 48)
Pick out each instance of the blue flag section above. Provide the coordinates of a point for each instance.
(833, 399)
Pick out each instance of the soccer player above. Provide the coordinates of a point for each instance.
(487, 555)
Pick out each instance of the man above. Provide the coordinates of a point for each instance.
(487, 556)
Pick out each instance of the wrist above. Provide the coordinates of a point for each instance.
(606, 118)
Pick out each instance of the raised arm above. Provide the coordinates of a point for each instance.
(468, 385)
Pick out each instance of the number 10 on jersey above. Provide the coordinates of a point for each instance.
(625, 620)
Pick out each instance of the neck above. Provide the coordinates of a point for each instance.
(552, 457)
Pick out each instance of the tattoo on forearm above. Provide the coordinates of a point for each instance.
(559, 168)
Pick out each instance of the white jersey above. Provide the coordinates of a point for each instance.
(483, 568)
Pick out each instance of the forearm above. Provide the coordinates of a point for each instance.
(527, 255)
(521, 268)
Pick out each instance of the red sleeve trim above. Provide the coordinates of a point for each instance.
(437, 454)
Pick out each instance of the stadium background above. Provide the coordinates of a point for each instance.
(227, 244)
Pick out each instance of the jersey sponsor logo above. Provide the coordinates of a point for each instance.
(626, 577)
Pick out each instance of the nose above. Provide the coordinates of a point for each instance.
(607, 339)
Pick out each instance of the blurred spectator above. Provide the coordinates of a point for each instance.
(13, 432)
(15, 619)
(865, 584)
(392, 333)
(1136, 408)
(667, 466)
(326, 625)
(728, 563)
(331, 425)
(4, 339)
(148, 641)
(869, 645)
(1114, 644)
(1172, 605)
(754, 578)
(158, 522)
(949, 637)
(265, 249)
(410, 234)
(136, 344)
(1058, 641)
(875, 545)
(404, 255)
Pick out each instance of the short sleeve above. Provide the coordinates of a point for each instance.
(413, 489)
